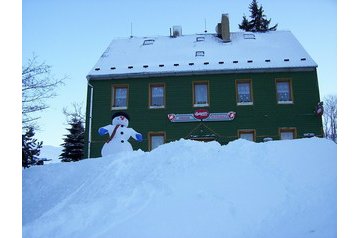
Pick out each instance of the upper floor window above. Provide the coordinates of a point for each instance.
(156, 96)
(284, 91)
(120, 96)
(201, 94)
(244, 92)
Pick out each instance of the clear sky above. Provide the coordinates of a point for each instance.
(71, 36)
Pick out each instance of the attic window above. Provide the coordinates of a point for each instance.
(303, 59)
(199, 53)
(148, 42)
(235, 62)
(249, 36)
(286, 60)
(97, 69)
(200, 38)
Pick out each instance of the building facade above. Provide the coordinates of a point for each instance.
(256, 86)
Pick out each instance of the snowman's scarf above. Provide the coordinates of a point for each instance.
(113, 134)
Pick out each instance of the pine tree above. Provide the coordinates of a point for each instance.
(73, 146)
(258, 22)
(30, 149)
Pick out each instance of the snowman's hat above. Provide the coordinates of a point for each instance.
(117, 114)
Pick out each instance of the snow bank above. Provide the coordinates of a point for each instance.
(188, 189)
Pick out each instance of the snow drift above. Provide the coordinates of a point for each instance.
(188, 189)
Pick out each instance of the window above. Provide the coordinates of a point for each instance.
(287, 133)
(156, 139)
(156, 96)
(199, 53)
(283, 91)
(200, 94)
(244, 92)
(148, 42)
(247, 134)
(120, 96)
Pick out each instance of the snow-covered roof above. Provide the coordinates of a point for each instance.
(199, 54)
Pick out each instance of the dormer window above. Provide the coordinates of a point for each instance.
(200, 38)
(249, 36)
(148, 42)
(199, 53)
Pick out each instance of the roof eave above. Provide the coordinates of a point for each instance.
(197, 72)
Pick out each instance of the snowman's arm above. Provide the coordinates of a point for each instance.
(137, 136)
(104, 130)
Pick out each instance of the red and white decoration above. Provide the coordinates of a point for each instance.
(202, 115)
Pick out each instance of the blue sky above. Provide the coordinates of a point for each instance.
(71, 35)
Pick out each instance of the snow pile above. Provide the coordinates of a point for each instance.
(188, 189)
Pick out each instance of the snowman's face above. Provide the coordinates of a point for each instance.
(121, 120)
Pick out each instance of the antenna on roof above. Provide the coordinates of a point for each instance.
(205, 26)
(131, 30)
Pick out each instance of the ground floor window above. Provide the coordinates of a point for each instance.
(248, 134)
(287, 133)
(155, 139)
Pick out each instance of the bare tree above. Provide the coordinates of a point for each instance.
(330, 117)
(76, 113)
(38, 85)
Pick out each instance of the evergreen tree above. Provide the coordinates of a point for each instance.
(73, 146)
(258, 22)
(30, 149)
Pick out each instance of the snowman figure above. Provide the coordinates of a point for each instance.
(119, 134)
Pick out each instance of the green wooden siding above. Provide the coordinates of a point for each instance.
(266, 116)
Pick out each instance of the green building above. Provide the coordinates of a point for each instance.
(224, 86)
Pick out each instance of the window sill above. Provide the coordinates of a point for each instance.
(244, 103)
(119, 108)
(285, 102)
(156, 107)
(201, 105)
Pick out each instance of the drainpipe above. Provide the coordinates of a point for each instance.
(90, 121)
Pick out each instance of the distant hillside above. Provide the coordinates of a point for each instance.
(51, 152)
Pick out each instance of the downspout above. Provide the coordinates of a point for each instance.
(90, 121)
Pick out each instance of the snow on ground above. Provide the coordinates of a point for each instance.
(188, 189)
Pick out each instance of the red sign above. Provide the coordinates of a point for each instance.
(201, 114)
